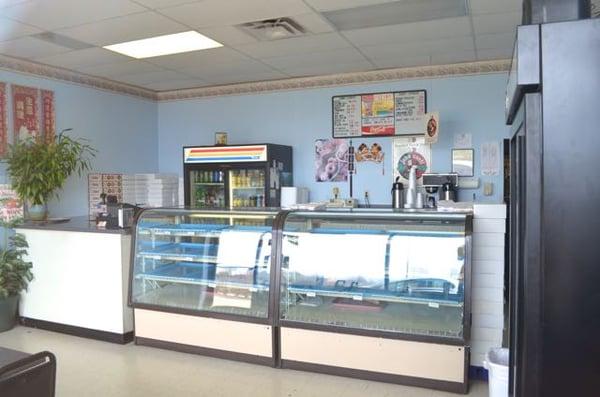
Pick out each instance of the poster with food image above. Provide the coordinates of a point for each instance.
(432, 127)
(331, 160)
(408, 152)
(369, 152)
(377, 111)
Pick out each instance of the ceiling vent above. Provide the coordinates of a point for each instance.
(62, 41)
(273, 29)
(396, 12)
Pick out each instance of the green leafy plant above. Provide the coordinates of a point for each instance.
(15, 271)
(39, 169)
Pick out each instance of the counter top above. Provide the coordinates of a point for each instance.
(74, 224)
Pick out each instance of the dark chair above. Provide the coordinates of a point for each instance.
(27, 375)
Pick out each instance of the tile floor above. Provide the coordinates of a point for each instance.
(92, 368)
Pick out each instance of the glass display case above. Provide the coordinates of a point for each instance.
(396, 275)
(207, 265)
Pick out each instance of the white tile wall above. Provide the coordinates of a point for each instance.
(487, 274)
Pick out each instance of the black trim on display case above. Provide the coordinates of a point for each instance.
(204, 351)
(78, 331)
(454, 387)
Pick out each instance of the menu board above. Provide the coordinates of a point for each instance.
(379, 114)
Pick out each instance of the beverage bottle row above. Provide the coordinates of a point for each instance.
(210, 176)
(248, 178)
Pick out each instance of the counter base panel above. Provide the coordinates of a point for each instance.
(104, 336)
(206, 334)
(228, 355)
(415, 363)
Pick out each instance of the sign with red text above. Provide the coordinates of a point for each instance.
(48, 116)
(25, 112)
(3, 127)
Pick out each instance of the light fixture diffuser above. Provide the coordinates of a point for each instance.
(164, 45)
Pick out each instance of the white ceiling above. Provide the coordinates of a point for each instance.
(487, 32)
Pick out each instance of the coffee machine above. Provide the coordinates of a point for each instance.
(440, 187)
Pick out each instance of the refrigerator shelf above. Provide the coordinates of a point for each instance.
(210, 183)
(363, 295)
(188, 252)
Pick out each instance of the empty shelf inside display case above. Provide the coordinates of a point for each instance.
(199, 276)
(391, 282)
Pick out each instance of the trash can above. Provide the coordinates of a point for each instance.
(496, 362)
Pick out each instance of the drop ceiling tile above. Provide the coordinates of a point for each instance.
(313, 23)
(56, 14)
(150, 77)
(206, 71)
(441, 58)
(227, 35)
(126, 28)
(328, 68)
(494, 41)
(340, 56)
(213, 56)
(175, 84)
(495, 53)
(244, 77)
(156, 4)
(429, 47)
(496, 23)
(10, 30)
(494, 6)
(329, 5)
(293, 46)
(410, 32)
(30, 47)
(83, 58)
(8, 3)
(233, 12)
(121, 69)
(401, 61)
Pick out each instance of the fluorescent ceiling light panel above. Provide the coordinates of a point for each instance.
(165, 45)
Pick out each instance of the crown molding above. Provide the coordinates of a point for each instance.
(412, 73)
(298, 83)
(56, 73)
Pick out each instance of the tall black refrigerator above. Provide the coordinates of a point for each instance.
(553, 105)
(239, 176)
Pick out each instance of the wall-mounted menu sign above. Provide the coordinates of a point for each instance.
(379, 114)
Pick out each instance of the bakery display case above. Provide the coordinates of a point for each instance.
(376, 294)
(201, 278)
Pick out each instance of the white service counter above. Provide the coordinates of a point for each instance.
(81, 277)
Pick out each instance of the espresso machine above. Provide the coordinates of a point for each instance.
(440, 187)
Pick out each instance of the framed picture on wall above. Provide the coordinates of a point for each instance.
(220, 138)
(462, 161)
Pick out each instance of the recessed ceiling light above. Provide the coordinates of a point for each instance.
(165, 45)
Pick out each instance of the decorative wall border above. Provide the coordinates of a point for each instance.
(375, 76)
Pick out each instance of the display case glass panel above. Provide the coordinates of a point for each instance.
(213, 261)
(377, 271)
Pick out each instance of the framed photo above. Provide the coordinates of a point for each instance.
(463, 161)
(220, 138)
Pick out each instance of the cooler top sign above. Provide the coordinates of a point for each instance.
(225, 154)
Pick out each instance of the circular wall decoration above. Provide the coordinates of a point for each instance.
(412, 159)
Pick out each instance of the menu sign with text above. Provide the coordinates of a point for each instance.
(379, 114)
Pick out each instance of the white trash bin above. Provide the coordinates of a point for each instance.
(496, 362)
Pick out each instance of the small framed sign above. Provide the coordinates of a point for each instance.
(462, 161)
(220, 138)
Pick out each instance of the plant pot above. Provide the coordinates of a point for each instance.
(8, 312)
(37, 212)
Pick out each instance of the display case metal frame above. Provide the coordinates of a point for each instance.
(462, 342)
(267, 321)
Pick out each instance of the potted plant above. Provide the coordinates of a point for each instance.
(38, 169)
(15, 275)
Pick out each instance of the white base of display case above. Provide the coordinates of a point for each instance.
(415, 363)
(203, 335)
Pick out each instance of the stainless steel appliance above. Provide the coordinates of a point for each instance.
(397, 194)
(432, 184)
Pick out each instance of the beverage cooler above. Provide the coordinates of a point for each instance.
(245, 176)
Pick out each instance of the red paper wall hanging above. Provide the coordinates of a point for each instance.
(48, 115)
(25, 112)
(3, 127)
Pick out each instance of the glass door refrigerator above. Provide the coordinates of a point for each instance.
(243, 176)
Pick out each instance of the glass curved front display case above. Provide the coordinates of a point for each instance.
(203, 261)
(369, 271)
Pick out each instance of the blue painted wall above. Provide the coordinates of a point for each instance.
(123, 129)
(471, 104)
